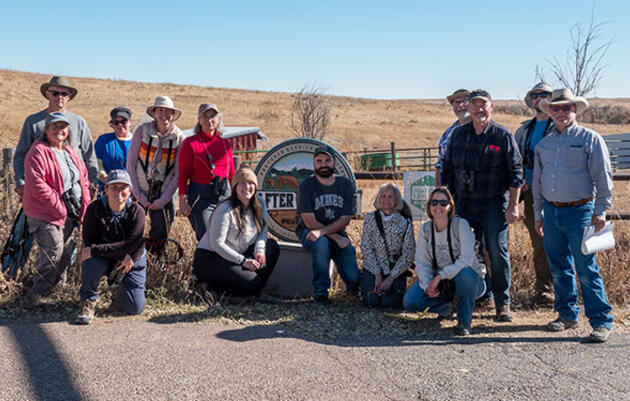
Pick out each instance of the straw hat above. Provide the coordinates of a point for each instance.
(456, 94)
(58, 81)
(165, 102)
(561, 97)
(539, 87)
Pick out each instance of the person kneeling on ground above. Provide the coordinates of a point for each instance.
(113, 246)
(388, 246)
(445, 258)
(234, 256)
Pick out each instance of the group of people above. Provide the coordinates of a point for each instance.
(560, 170)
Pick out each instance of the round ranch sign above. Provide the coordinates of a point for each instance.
(280, 173)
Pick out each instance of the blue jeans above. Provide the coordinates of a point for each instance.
(202, 207)
(468, 287)
(132, 297)
(487, 219)
(563, 229)
(346, 261)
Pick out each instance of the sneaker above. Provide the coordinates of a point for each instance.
(561, 324)
(462, 331)
(503, 314)
(88, 308)
(599, 335)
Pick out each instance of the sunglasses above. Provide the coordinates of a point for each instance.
(55, 93)
(118, 122)
(542, 95)
(441, 202)
(566, 107)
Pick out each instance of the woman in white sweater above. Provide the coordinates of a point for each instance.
(445, 258)
(234, 255)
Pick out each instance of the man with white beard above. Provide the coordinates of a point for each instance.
(481, 166)
(459, 103)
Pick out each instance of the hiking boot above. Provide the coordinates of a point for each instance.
(88, 308)
(372, 300)
(561, 324)
(544, 298)
(503, 314)
(599, 335)
(321, 299)
(462, 331)
(445, 316)
(268, 299)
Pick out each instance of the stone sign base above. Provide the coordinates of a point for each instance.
(293, 275)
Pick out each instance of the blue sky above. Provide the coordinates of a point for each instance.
(395, 49)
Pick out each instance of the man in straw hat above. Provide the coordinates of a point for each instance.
(527, 137)
(482, 163)
(58, 92)
(459, 103)
(572, 189)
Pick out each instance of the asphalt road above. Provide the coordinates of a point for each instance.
(126, 359)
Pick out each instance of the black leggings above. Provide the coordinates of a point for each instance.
(223, 275)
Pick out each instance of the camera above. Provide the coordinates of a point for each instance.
(468, 180)
(528, 159)
(446, 287)
(115, 275)
(73, 206)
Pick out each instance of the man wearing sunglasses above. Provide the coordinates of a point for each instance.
(527, 137)
(572, 189)
(58, 92)
(481, 166)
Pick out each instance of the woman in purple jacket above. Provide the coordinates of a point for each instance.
(56, 194)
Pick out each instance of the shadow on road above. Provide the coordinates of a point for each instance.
(426, 337)
(49, 376)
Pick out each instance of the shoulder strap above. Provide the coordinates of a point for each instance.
(450, 245)
(381, 230)
(145, 165)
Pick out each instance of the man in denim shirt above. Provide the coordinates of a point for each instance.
(527, 137)
(482, 163)
(572, 190)
(459, 103)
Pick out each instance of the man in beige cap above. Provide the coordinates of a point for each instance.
(459, 103)
(58, 92)
(527, 137)
(572, 189)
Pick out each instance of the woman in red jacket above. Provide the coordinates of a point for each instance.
(56, 194)
(206, 167)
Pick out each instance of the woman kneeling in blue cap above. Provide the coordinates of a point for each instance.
(113, 246)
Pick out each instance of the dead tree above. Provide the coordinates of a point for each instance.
(310, 114)
(583, 69)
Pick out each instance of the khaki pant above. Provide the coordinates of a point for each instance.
(541, 265)
(56, 245)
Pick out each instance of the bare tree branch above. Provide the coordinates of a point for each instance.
(583, 69)
(311, 112)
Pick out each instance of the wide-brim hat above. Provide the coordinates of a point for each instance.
(167, 103)
(539, 87)
(61, 82)
(457, 94)
(561, 97)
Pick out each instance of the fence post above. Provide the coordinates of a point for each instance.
(393, 145)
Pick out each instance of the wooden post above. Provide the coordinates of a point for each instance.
(393, 145)
(237, 162)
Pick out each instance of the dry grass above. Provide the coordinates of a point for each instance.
(357, 123)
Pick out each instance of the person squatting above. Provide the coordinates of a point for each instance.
(559, 169)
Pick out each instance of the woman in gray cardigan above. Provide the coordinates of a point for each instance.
(235, 256)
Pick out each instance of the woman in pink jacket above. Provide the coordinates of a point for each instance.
(56, 194)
